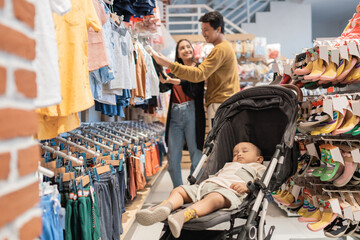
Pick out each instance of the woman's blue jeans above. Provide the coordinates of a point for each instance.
(182, 127)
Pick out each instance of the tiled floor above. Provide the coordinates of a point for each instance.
(286, 228)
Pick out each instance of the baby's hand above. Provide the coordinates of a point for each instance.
(239, 187)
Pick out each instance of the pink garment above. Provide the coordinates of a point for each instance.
(96, 42)
(353, 30)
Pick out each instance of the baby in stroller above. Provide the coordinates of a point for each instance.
(224, 190)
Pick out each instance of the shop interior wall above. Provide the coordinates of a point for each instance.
(287, 23)
(330, 17)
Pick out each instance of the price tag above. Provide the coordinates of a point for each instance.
(296, 191)
(348, 214)
(356, 155)
(311, 149)
(323, 53)
(336, 155)
(275, 67)
(356, 107)
(287, 69)
(353, 50)
(356, 214)
(340, 103)
(328, 107)
(335, 55)
(335, 206)
(343, 52)
(315, 201)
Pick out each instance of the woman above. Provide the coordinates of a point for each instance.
(186, 116)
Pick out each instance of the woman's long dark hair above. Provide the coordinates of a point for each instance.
(177, 58)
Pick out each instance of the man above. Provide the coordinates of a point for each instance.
(219, 68)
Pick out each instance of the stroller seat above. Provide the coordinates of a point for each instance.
(265, 116)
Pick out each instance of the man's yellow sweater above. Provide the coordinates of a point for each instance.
(219, 68)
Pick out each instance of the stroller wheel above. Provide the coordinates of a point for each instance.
(252, 232)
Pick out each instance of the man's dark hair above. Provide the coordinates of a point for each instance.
(215, 19)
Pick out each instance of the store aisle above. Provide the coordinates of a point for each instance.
(287, 228)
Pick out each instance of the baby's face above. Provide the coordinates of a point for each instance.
(245, 153)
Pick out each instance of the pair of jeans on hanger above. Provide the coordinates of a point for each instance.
(182, 127)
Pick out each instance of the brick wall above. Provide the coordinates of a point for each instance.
(20, 216)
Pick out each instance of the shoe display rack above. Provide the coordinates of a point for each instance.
(325, 192)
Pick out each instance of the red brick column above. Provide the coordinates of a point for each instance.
(20, 215)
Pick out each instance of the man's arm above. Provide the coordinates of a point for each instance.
(201, 72)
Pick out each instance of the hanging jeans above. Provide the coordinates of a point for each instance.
(108, 194)
(182, 127)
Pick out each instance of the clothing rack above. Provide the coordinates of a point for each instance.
(115, 131)
(107, 132)
(90, 140)
(61, 139)
(61, 154)
(102, 137)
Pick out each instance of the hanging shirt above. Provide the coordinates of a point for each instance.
(140, 74)
(72, 35)
(152, 79)
(96, 43)
(46, 62)
(124, 61)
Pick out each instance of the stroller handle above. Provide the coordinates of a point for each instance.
(296, 89)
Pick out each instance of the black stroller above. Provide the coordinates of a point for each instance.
(265, 116)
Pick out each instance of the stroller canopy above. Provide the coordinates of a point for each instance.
(264, 115)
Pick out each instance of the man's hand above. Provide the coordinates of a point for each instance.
(161, 59)
(239, 187)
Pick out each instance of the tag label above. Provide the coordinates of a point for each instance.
(328, 107)
(353, 50)
(275, 67)
(343, 52)
(356, 155)
(348, 214)
(323, 52)
(296, 191)
(315, 201)
(335, 55)
(336, 155)
(340, 103)
(335, 206)
(356, 107)
(311, 149)
(287, 69)
(356, 215)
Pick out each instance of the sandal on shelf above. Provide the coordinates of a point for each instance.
(287, 199)
(352, 228)
(317, 172)
(305, 166)
(327, 127)
(297, 204)
(326, 219)
(350, 168)
(314, 216)
(304, 208)
(338, 229)
(334, 172)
